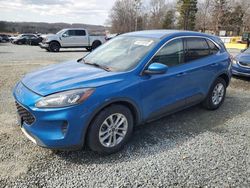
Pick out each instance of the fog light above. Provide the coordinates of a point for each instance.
(64, 127)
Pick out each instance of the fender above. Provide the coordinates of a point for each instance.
(55, 41)
(138, 116)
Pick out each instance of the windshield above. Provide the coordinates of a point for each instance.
(19, 36)
(247, 51)
(61, 32)
(121, 53)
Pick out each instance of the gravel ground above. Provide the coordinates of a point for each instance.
(192, 148)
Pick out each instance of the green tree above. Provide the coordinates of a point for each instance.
(168, 22)
(187, 10)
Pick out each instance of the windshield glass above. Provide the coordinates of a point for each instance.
(19, 36)
(247, 51)
(61, 31)
(121, 53)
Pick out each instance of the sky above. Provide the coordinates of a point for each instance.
(69, 11)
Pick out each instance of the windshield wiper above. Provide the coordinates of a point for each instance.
(98, 65)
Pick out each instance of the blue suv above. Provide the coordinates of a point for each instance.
(132, 79)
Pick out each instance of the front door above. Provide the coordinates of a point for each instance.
(165, 93)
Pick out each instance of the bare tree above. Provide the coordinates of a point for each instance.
(203, 16)
(245, 5)
(158, 9)
(124, 16)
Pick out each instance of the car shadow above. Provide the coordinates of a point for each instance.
(244, 78)
(62, 51)
(165, 133)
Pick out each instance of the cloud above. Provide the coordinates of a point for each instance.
(91, 11)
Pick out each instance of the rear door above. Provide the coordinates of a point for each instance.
(201, 63)
(81, 38)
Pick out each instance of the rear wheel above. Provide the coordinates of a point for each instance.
(110, 130)
(54, 47)
(96, 44)
(216, 95)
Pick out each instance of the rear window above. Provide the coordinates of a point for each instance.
(80, 32)
(213, 48)
(196, 48)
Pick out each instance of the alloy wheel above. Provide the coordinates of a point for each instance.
(113, 130)
(218, 93)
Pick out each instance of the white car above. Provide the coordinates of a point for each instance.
(71, 38)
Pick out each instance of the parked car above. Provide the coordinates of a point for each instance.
(35, 40)
(4, 37)
(13, 37)
(23, 38)
(241, 63)
(132, 79)
(71, 38)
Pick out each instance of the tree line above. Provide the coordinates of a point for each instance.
(211, 16)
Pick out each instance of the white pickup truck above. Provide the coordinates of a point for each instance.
(71, 38)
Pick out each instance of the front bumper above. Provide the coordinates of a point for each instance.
(240, 71)
(44, 45)
(57, 128)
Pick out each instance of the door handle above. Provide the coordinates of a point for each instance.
(181, 74)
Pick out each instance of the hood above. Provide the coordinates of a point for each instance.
(51, 37)
(66, 76)
(243, 58)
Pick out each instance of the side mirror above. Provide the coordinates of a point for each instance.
(156, 68)
(65, 35)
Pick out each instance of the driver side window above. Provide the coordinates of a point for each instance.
(69, 33)
(171, 54)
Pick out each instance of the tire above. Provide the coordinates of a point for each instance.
(96, 44)
(216, 96)
(54, 47)
(47, 49)
(89, 49)
(99, 130)
(19, 43)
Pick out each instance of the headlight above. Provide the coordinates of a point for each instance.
(66, 98)
(235, 61)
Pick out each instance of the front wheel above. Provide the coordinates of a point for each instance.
(216, 95)
(110, 130)
(54, 47)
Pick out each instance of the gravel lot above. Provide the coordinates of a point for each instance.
(192, 148)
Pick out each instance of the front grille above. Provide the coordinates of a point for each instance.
(24, 114)
(245, 64)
